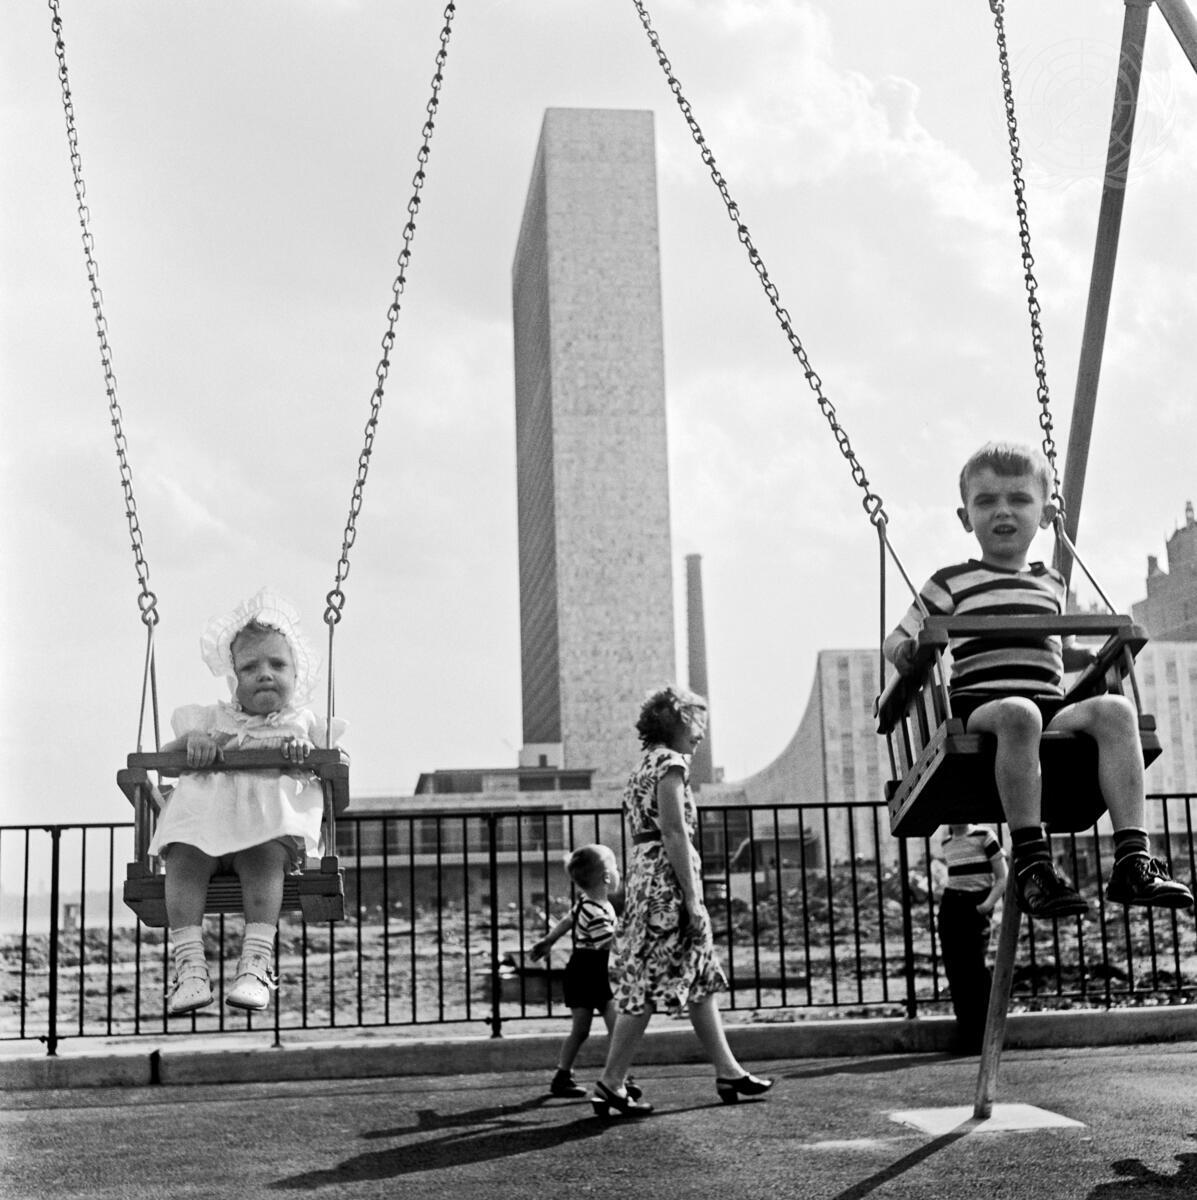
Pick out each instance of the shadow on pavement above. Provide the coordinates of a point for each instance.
(871, 1066)
(493, 1133)
(874, 1181)
(1143, 1183)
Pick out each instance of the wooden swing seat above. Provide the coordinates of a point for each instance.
(943, 775)
(319, 894)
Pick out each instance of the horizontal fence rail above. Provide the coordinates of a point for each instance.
(816, 911)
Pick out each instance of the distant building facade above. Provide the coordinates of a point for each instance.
(1169, 614)
(835, 758)
(595, 564)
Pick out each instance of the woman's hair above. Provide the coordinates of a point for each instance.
(665, 711)
(587, 865)
(1008, 458)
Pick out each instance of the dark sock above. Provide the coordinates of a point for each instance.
(1128, 842)
(1029, 846)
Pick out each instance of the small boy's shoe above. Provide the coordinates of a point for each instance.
(192, 990)
(1041, 891)
(1138, 879)
(564, 1084)
(254, 983)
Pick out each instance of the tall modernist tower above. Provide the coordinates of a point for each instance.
(596, 583)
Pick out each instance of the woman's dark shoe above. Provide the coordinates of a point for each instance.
(605, 1100)
(730, 1090)
(633, 1089)
(565, 1085)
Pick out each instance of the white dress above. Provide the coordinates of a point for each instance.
(221, 812)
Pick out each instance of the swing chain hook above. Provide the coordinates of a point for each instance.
(871, 502)
(997, 7)
(336, 597)
(147, 602)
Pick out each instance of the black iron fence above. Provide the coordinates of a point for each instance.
(817, 911)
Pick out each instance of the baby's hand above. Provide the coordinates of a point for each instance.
(202, 750)
(296, 749)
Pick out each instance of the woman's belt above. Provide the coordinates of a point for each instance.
(650, 835)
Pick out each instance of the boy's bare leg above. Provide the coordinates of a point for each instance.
(609, 1017)
(578, 1033)
(1112, 723)
(1136, 877)
(1017, 725)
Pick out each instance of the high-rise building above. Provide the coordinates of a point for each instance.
(596, 580)
(1169, 614)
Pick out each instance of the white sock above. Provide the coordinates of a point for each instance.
(259, 939)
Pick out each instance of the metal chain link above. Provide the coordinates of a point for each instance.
(336, 597)
(147, 602)
(871, 502)
(997, 7)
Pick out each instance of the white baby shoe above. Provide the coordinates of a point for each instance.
(254, 983)
(192, 990)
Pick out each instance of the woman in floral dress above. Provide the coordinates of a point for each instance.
(664, 947)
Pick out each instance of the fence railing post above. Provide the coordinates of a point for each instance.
(496, 985)
(55, 832)
(912, 1004)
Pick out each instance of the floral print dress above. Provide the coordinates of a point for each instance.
(660, 961)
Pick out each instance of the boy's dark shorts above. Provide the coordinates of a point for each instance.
(964, 704)
(586, 982)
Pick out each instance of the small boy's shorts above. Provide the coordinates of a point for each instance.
(586, 982)
(964, 704)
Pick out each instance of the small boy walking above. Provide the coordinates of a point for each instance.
(595, 874)
(976, 866)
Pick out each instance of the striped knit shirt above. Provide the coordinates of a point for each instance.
(1006, 663)
(594, 923)
(970, 859)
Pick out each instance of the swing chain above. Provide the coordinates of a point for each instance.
(871, 502)
(997, 7)
(336, 597)
(147, 602)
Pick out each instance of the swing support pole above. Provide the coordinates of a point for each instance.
(1109, 222)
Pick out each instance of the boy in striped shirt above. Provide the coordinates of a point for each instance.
(595, 874)
(976, 867)
(1013, 687)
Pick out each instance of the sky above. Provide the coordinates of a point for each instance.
(248, 169)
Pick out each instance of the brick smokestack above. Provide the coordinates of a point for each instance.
(701, 769)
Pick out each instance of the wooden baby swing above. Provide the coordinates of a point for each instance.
(319, 894)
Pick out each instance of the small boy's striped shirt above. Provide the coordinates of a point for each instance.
(970, 858)
(594, 923)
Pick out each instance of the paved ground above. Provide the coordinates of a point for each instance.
(827, 1132)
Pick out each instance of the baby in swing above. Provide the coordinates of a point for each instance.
(1013, 688)
(260, 824)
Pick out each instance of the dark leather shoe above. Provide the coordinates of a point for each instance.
(1138, 879)
(1041, 891)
